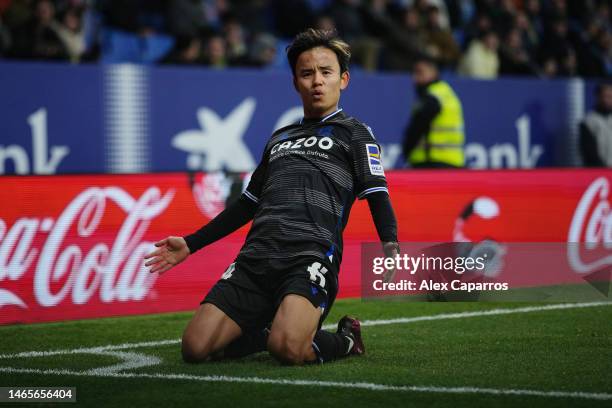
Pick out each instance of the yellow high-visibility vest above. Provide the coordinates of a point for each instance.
(444, 142)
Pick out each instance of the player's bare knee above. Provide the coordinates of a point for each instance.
(288, 355)
(189, 356)
(189, 352)
(286, 349)
(274, 343)
(193, 350)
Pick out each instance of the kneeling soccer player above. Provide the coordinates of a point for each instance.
(283, 282)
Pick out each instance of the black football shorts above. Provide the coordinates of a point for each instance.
(251, 292)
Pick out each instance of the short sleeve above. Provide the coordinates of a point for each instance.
(367, 162)
(258, 178)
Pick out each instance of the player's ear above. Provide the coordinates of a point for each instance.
(344, 80)
(295, 84)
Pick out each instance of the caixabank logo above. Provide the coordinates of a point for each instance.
(218, 144)
(44, 158)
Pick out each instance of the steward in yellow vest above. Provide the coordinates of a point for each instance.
(435, 134)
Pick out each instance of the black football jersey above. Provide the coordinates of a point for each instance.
(309, 177)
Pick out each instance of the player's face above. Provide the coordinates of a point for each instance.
(319, 82)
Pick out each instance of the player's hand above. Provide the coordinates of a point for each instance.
(390, 249)
(170, 251)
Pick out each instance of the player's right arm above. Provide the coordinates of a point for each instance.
(170, 251)
(173, 250)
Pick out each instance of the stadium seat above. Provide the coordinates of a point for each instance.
(121, 46)
(459, 36)
(281, 57)
(155, 47)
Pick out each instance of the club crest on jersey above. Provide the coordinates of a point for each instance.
(374, 161)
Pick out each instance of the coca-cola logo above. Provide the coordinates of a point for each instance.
(115, 272)
(590, 233)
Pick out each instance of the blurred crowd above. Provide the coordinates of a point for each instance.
(475, 38)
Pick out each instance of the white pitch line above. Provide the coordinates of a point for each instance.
(130, 361)
(90, 350)
(134, 360)
(401, 320)
(335, 384)
(491, 312)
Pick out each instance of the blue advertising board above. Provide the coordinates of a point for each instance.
(50, 119)
(123, 118)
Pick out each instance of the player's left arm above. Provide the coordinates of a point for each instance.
(386, 226)
(371, 184)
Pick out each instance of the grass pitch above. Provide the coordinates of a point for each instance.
(436, 354)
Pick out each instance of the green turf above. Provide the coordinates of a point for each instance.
(560, 350)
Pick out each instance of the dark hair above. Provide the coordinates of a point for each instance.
(312, 38)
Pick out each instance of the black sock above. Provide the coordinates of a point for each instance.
(248, 343)
(331, 346)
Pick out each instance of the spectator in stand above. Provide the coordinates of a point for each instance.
(596, 130)
(533, 12)
(215, 52)
(529, 36)
(263, 51)
(70, 31)
(403, 40)
(37, 39)
(348, 16)
(548, 66)
(604, 50)
(591, 62)
(439, 42)
(603, 12)
(557, 37)
(5, 38)
(556, 40)
(234, 34)
(568, 65)
(423, 7)
(186, 51)
(481, 60)
(480, 24)
(504, 15)
(185, 18)
(513, 57)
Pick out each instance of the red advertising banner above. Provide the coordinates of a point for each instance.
(71, 247)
